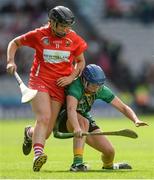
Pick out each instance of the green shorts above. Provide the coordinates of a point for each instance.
(61, 123)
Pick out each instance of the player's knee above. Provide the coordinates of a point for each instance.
(84, 124)
(44, 120)
(109, 151)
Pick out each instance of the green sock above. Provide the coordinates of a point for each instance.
(78, 159)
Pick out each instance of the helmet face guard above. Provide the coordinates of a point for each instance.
(93, 74)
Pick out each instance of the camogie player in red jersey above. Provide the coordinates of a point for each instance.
(57, 48)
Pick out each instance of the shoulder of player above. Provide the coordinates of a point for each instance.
(76, 84)
(104, 88)
(41, 30)
(75, 88)
(73, 35)
(76, 81)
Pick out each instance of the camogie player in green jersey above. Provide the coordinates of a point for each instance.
(80, 96)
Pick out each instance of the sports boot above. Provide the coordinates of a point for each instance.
(39, 161)
(79, 167)
(27, 144)
(119, 166)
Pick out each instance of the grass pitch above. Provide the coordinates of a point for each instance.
(137, 152)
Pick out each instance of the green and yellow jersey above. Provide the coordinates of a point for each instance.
(85, 101)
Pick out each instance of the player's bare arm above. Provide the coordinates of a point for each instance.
(127, 111)
(73, 124)
(80, 64)
(11, 50)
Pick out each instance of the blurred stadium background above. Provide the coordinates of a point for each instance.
(120, 36)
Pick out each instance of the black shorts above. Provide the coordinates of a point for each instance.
(61, 123)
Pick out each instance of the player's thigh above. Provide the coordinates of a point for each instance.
(61, 121)
(41, 104)
(100, 143)
(83, 122)
(55, 109)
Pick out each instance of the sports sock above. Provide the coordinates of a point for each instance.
(108, 166)
(107, 163)
(29, 133)
(38, 149)
(78, 156)
(78, 159)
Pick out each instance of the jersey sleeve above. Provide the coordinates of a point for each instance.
(74, 89)
(29, 39)
(81, 46)
(105, 94)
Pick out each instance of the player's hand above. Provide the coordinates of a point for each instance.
(78, 133)
(11, 68)
(139, 123)
(63, 81)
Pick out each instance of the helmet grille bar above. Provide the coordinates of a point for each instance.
(61, 14)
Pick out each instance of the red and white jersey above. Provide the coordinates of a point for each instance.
(54, 56)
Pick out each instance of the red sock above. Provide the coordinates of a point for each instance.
(38, 149)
